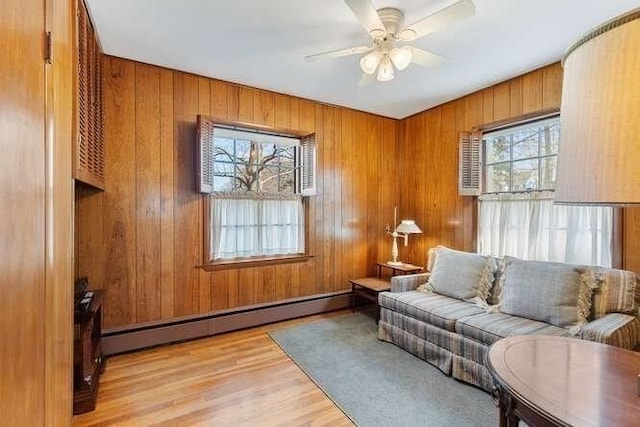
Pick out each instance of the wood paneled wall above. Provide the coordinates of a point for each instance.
(429, 159)
(36, 240)
(142, 238)
(429, 144)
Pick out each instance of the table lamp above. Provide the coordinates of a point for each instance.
(406, 227)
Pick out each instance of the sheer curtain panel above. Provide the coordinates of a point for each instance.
(530, 226)
(245, 227)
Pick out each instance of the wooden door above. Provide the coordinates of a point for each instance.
(22, 211)
(35, 215)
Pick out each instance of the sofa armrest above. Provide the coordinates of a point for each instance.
(408, 282)
(620, 330)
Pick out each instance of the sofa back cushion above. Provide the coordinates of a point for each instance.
(617, 292)
(462, 275)
(556, 293)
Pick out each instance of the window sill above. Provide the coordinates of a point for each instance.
(255, 262)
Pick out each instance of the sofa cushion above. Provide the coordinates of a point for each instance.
(437, 310)
(488, 328)
(616, 293)
(462, 275)
(551, 292)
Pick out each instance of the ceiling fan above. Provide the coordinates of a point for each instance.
(387, 31)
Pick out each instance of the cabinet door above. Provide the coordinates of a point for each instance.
(89, 152)
(22, 212)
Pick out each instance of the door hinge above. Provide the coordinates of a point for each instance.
(48, 48)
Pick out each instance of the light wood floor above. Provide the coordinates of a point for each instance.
(236, 379)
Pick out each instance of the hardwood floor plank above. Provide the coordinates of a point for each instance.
(237, 379)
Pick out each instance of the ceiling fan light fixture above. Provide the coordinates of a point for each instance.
(401, 56)
(377, 33)
(369, 63)
(385, 72)
(407, 35)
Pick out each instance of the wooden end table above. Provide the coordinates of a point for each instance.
(398, 268)
(368, 288)
(546, 380)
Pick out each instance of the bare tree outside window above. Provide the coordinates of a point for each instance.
(249, 166)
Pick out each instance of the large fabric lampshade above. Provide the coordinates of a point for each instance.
(599, 155)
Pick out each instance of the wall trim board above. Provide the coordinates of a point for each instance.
(157, 333)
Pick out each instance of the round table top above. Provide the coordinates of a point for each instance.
(568, 380)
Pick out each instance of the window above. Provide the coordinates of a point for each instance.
(517, 216)
(256, 181)
(522, 158)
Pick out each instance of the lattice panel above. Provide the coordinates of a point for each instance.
(90, 156)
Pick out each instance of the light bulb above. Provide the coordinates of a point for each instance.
(370, 62)
(401, 56)
(385, 72)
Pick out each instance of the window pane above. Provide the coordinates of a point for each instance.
(498, 149)
(548, 170)
(223, 150)
(525, 175)
(243, 151)
(525, 144)
(550, 137)
(498, 177)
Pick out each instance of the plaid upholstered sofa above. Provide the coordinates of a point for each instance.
(452, 325)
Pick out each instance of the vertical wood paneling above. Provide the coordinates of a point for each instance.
(532, 92)
(167, 235)
(147, 191)
(245, 104)
(551, 86)
(487, 105)
(119, 202)
(631, 243)
(501, 101)
(219, 99)
(187, 200)
(60, 112)
(22, 231)
(515, 107)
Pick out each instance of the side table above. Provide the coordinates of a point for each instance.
(368, 288)
(398, 268)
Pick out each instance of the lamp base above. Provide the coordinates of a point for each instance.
(395, 262)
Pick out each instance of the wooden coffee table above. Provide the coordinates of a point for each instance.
(368, 288)
(547, 380)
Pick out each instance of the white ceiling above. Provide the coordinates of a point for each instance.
(262, 43)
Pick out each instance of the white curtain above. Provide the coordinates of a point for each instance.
(255, 227)
(530, 226)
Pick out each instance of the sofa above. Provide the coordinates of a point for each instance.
(450, 316)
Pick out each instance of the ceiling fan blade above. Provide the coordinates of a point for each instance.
(368, 17)
(438, 20)
(338, 53)
(424, 58)
(366, 80)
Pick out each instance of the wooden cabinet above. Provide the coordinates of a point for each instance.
(88, 360)
(89, 159)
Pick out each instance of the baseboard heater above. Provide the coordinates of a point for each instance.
(120, 340)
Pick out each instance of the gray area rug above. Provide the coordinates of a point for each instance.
(378, 384)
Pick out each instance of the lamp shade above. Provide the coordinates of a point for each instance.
(599, 154)
(401, 56)
(369, 63)
(408, 226)
(385, 72)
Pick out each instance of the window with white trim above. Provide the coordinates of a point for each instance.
(517, 216)
(256, 181)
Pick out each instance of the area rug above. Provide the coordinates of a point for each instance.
(378, 384)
